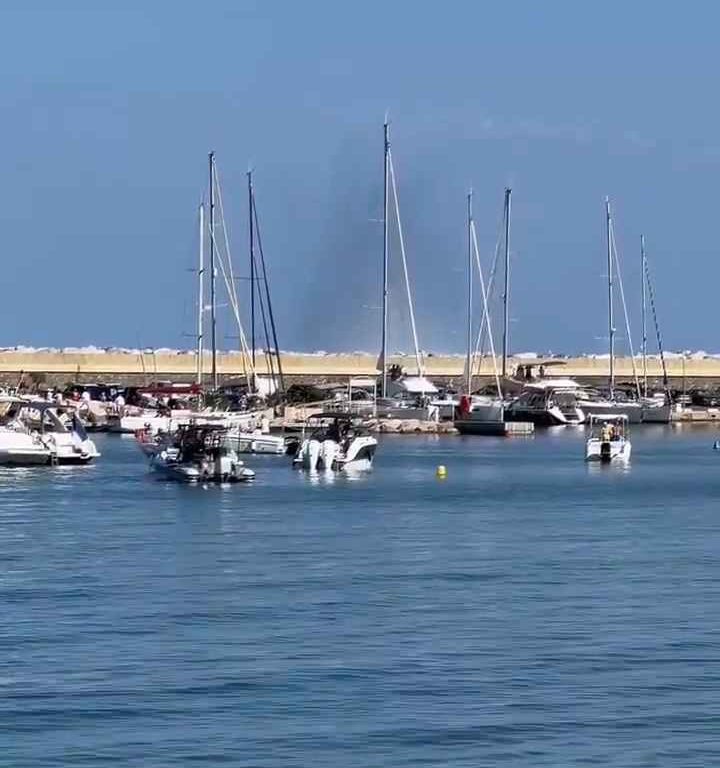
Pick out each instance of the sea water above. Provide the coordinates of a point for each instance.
(528, 610)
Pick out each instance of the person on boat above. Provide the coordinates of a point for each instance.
(606, 433)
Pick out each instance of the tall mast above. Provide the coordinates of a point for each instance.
(469, 294)
(506, 292)
(383, 354)
(201, 295)
(213, 323)
(611, 319)
(252, 267)
(644, 314)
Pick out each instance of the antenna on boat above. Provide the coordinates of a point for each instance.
(644, 315)
(506, 292)
(213, 302)
(469, 293)
(384, 342)
(611, 323)
(201, 294)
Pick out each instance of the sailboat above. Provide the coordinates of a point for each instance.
(478, 414)
(656, 409)
(401, 395)
(615, 403)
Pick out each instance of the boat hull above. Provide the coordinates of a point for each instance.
(608, 451)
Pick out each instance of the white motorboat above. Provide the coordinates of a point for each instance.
(340, 445)
(255, 442)
(198, 454)
(548, 403)
(132, 420)
(608, 441)
(43, 433)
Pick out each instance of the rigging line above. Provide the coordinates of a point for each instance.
(418, 355)
(267, 352)
(485, 308)
(622, 296)
(230, 282)
(226, 240)
(236, 312)
(273, 327)
(651, 296)
(480, 343)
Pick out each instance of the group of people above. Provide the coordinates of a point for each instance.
(609, 432)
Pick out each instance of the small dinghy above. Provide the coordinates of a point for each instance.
(608, 441)
(199, 454)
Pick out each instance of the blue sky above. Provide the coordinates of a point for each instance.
(107, 115)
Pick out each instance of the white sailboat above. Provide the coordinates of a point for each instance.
(656, 408)
(481, 414)
(399, 391)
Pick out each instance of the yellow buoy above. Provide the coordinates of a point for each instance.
(441, 471)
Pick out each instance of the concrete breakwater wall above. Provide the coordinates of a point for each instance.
(58, 367)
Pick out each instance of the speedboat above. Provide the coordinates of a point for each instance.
(131, 420)
(38, 432)
(341, 444)
(255, 442)
(608, 441)
(199, 454)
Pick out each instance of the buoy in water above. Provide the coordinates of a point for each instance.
(716, 445)
(441, 471)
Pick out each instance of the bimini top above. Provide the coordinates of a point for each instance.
(553, 384)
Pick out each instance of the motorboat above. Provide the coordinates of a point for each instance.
(548, 402)
(39, 432)
(199, 454)
(129, 420)
(256, 441)
(234, 439)
(337, 442)
(608, 441)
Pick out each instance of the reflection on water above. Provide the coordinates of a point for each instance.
(531, 609)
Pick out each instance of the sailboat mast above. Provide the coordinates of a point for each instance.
(506, 291)
(213, 302)
(468, 362)
(252, 268)
(644, 314)
(201, 295)
(611, 319)
(384, 344)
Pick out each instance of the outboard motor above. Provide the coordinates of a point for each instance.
(311, 454)
(605, 451)
(329, 453)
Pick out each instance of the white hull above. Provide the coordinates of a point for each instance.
(223, 469)
(151, 422)
(608, 451)
(328, 455)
